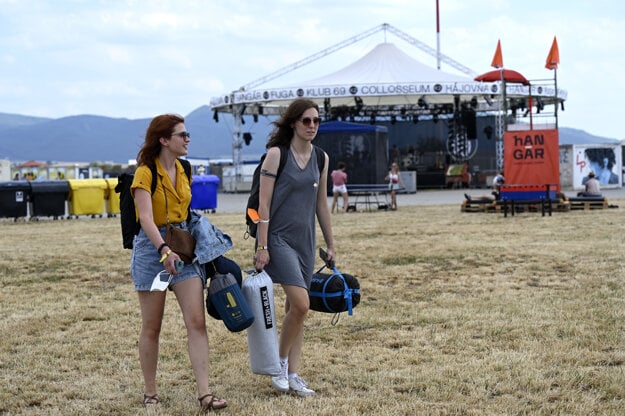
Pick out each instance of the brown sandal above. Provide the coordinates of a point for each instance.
(215, 403)
(151, 400)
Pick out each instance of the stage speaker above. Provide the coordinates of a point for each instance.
(469, 121)
(247, 138)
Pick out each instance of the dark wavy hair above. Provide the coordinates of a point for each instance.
(160, 126)
(283, 130)
(600, 155)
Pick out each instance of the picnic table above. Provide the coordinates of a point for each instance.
(371, 196)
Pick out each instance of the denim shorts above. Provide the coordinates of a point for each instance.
(145, 265)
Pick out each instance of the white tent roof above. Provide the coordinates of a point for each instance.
(385, 78)
(383, 64)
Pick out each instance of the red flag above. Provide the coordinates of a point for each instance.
(498, 58)
(553, 59)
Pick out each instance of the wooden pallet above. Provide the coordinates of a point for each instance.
(588, 203)
(498, 207)
(472, 206)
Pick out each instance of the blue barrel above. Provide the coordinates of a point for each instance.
(204, 191)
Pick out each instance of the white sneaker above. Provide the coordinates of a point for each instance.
(280, 383)
(299, 386)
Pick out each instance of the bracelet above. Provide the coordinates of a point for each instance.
(259, 248)
(161, 247)
(164, 256)
(264, 221)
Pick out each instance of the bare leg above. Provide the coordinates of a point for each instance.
(292, 334)
(335, 197)
(393, 200)
(152, 308)
(345, 201)
(190, 298)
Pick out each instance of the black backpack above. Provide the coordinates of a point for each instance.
(130, 224)
(252, 201)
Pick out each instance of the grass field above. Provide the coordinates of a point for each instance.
(461, 314)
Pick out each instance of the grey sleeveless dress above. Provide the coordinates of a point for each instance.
(291, 237)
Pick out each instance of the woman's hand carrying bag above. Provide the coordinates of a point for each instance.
(181, 242)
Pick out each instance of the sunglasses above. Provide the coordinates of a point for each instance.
(183, 134)
(161, 281)
(307, 121)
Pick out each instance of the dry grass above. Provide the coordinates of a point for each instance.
(462, 314)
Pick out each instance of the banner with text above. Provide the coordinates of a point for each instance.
(531, 157)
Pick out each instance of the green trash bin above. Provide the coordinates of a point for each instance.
(14, 198)
(86, 196)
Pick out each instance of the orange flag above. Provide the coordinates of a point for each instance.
(498, 58)
(553, 59)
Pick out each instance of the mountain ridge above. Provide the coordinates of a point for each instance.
(93, 138)
(98, 138)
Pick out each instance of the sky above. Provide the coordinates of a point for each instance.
(139, 58)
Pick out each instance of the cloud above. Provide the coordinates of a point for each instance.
(122, 58)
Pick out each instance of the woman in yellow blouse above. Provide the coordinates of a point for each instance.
(165, 141)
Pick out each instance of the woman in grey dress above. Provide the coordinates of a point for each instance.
(286, 231)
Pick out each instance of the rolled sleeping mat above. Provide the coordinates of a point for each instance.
(262, 335)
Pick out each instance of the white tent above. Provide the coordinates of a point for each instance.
(384, 77)
(386, 82)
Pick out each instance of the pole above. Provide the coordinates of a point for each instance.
(237, 145)
(555, 82)
(530, 103)
(501, 122)
(438, 38)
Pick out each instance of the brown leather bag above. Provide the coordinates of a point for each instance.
(181, 242)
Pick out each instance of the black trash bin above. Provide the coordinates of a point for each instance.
(14, 197)
(49, 198)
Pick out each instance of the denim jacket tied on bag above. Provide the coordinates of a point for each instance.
(210, 242)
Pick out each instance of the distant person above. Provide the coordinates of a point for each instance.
(16, 177)
(395, 183)
(498, 180)
(339, 181)
(479, 199)
(592, 187)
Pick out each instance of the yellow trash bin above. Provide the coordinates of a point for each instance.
(112, 198)
(86, 196)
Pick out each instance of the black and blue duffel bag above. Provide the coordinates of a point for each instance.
(334, 292)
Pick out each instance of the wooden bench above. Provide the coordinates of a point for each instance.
(544, 206)
(531, 198)
(588, 203)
